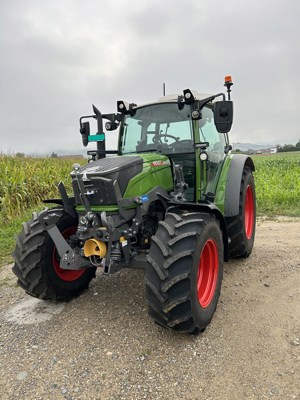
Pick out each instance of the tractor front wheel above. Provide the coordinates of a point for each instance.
(184, 271)
(37, 265)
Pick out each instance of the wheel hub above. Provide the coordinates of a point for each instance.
(207, 273)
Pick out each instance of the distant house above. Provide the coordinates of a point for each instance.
(262, 151)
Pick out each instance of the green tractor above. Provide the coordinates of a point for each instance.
(172, 200)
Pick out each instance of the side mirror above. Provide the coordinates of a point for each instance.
(223, 115)
(85, 132)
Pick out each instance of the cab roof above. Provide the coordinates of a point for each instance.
(173, 98)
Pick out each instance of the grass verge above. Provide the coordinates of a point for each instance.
(8, 234)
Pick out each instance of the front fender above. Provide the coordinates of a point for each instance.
(209, 209)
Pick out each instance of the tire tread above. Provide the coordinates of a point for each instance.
(168, 293)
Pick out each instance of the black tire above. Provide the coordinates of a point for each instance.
(37, 262)
(241, 229)
(181, 241)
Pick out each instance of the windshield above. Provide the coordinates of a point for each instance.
(160, 127)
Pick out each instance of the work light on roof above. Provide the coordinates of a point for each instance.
(121, 106)
(188, 96)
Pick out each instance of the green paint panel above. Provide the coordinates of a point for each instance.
(222, 183)
(99, 208)
(156, 172)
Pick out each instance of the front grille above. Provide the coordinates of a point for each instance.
(99, 176)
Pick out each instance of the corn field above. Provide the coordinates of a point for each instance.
(277, 179)
(25, 182)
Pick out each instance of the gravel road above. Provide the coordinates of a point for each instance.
(103, 345)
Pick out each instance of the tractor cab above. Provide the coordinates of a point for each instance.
(190, 129)
(167, 127)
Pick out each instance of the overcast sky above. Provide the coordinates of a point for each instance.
(57, 57)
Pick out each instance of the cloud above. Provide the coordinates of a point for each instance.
(59, 57)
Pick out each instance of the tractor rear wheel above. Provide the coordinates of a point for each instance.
(241, 229)
(37, 262)
(184, 271)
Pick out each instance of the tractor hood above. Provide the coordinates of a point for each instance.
(156, 172)
(135, 174)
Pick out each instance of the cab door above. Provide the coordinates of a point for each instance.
(216, 150)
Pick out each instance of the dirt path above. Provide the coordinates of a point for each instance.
(103, 345)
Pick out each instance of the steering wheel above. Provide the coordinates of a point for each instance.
(182, 143)
(157, 138)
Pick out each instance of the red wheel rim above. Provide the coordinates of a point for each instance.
(249, 212)
(65, 274)
(207, 273)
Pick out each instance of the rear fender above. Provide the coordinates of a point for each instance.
(233, 185)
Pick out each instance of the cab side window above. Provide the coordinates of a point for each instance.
(209, 133)
(215, 150)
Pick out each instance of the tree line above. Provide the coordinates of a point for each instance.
(288, 147)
